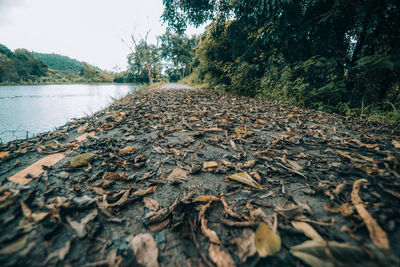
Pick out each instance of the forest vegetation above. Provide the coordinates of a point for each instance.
(330, 55)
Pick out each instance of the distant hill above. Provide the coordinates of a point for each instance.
(63, 64)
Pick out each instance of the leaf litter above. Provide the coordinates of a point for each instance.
(177, 177)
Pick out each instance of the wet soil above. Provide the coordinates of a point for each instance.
(163, 161)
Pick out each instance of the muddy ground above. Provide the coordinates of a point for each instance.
(188, 177)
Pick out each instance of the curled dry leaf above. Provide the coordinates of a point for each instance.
(307, 230)
(150, 203)
(228, 209)
(395, 143)
(177, 174)
(32, 216)
(244, 177)
(128, 149)
(211, 234)
(210, 164)
(267, 242)
(142, 192)
(80, 228)
(376, 233)
(220, 256)
(205, 198)
(331, 254)
(245, 244)
(145, 250)
(233, 145)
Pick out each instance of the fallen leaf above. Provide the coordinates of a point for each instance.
(331, 254)
(233, 145)
(307, 230)
(150, 203)
(245, 178)
(128, 149)
(228, 209)
(4, 154)
(220, 256)
(59, 253)
(122, 200)
(261, 122)
(210, 164)
(245, 244)
(82, 159)
(193, 119)
(15, 246)
(211, 234)
(32, 216)
(358, 142)
(289, 116)
(294, 165)
(395, 143)
(80, 228)
(205, 198)
(267, 242)
(250, 163)
(369, 170)
(142, 192)
(376, 233)
(177, 174)
(145, 250)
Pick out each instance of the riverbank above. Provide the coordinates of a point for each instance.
(185, 177)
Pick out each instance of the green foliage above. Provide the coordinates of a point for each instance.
(20, 65)
(320, 54)
(63, 64)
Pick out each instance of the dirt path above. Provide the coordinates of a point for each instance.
(178, 176)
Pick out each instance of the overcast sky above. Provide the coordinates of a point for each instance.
(87, 30)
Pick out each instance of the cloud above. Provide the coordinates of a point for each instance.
(5, 6)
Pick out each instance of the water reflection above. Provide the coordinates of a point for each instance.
(41, 108)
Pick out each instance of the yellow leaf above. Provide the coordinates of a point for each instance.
(210, 164)
(4, 154)
(128, 149)
(82, 159)
(307, 230)
(245, 178)
(267, 242)
(205, 198)
(193, 119)
(290, 116)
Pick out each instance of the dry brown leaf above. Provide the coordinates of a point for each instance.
(142, 192)
(122, 200)
(4, 196)
(245, 178)
(211, 234)
(290, 116)
(238, 224)
(245, 244)
(4, 154)
(193, 119)
(32, 216)
(395, 143)
(358, 142)
(261, 122)
(233, 145)
(346, 209)
(228, 209)
(376, 233)
(220, 256)
(128, 149)
(294, 165)
(80, 228)
(250, 163)
(150, 203)
(267, 242)
(210, 164)
(14, 246)
(59, 253)
(369, 170)
(307, 230)
(145, 250)
(177, 174)
(205, 198)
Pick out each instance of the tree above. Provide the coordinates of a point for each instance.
(177, 49)
(144, 58)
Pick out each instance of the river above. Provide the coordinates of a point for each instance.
(26, 110)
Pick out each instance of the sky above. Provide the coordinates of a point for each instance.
(86, 30)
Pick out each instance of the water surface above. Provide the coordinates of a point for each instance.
(30, 109)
